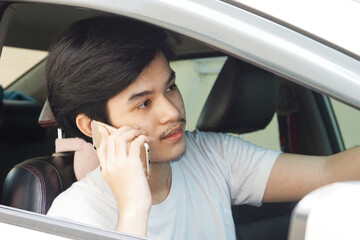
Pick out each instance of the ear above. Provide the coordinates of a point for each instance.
(83, 122)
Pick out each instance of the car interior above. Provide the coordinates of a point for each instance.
(243, 99)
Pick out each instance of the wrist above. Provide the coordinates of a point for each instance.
(133, 222)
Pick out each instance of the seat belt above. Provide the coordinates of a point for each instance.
(287, 119)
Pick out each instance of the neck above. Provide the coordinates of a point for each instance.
(160, 182)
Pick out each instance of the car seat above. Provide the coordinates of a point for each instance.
(242, 100)
(34, 183)
(21, 137)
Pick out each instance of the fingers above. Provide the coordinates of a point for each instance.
(125, 143)
(121, 140)
(123, 170)
(102, 150)
(137, 144)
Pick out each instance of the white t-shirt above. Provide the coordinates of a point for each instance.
(216, 170)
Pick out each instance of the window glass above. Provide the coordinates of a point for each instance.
(14, 62)
(348, 119)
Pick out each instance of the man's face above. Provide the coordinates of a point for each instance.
(153, 103)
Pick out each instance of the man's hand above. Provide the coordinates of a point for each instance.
(122, 168)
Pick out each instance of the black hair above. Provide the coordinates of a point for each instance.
(94, 60)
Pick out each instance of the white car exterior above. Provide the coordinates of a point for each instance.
(224, 25)
(312, 42)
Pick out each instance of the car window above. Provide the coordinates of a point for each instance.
(348, 119)
(195, 78)
(14, 62)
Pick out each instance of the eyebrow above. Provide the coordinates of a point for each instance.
(135, 96)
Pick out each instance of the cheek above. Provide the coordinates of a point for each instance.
(146, 124)
(179, 103)
(132, 121)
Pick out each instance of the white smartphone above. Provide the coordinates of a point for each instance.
(96, 137)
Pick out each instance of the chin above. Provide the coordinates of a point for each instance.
(168, 153)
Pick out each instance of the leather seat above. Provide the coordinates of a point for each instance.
(20, 134)
(34, 183)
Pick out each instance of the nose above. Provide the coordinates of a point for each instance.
(167, 111)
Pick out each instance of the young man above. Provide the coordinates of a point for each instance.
(117, 71)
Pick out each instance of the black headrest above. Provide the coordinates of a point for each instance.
(243, 99)
(18, 121)
(46, 118)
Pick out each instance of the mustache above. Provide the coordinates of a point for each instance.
(177, 124)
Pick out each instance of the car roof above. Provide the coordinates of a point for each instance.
(222, 25)
(336, 21)
(35, 26)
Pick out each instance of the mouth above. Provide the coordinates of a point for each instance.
(174, 134)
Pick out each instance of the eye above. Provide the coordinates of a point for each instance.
(144, 104)
(171, 88)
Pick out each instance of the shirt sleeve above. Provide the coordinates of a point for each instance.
(246, 167)
(249, 170)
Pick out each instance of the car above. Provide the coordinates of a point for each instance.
(285, 75)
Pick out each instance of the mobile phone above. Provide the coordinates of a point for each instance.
(96, 137)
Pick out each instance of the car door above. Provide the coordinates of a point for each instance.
(303, 64)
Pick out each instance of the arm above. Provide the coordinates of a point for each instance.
(121, 167)
(293, 176)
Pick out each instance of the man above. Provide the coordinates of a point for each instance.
(117, 71)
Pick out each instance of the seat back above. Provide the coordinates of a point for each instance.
(242, 100)
(34, 183)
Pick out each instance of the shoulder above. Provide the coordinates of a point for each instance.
(87, 201)
(197, 136)
(209, 147)
(227, 147)
(214, 139)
